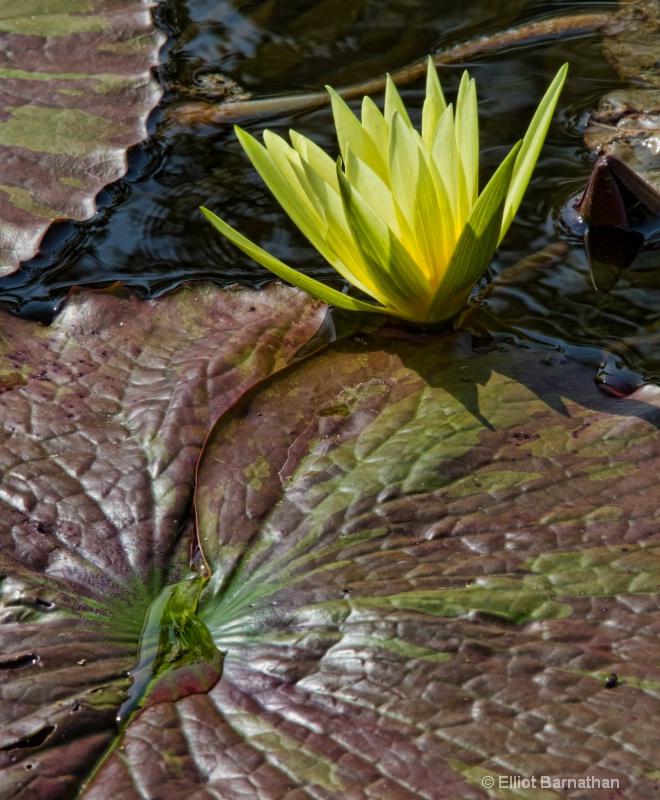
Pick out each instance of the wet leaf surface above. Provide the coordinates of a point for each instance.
(75, 90)
(427, 564)
(103, 417)
(426, 561)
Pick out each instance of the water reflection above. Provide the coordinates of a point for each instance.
(610, 251)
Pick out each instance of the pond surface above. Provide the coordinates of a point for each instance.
(149, 233)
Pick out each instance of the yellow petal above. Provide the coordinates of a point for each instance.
(350, 133)
(378, 132)
(415, 196)
(373, 189)
(317, 158)
(477, 244)
(467, 137)
(291, 196)
(305, 202)
(283, 156)
(393, 102)
(434, 104)
(397, 276)
(339, 247)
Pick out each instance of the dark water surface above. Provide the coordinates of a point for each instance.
(149, 233)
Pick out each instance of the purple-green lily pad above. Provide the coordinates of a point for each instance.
(425, 562)
(75, 91)
(103, 418)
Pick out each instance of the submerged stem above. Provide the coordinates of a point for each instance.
(541, 30)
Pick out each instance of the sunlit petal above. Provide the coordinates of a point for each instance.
(295, 202)
(340, 250)
(416, 198)
(444, 155)
(317, 158)
(531, 148)
(393, 102)
(280, 269)
(313, 212)
(351, 134)
(378, 131)
(434, 104)
(467, 138)
(398, 275)
(373, 189)
(477, 243)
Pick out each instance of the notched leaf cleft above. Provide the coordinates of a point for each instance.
(177, 654)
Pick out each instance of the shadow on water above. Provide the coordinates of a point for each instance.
(550, 299)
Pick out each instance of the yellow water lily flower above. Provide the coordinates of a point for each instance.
(399, 214)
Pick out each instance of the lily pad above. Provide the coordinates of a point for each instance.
(426, 563)
(103, 418)
(420, 564)
(75, 91)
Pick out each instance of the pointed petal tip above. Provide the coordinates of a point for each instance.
(241, 133)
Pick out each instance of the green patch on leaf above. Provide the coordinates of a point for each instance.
(74, 183)
(601, 571)
(256, 471)
(511, 599)
(36, 18)
(606, 472)
(400, 647)
(98, 82)
(576, 515)
(24, 199)
(66, 131)
(492, 481)
(128, 47)
(309, 765)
